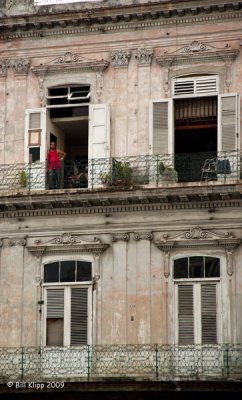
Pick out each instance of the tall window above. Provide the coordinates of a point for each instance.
(67, 290)
(196, 282)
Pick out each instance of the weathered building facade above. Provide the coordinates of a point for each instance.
(143, 250)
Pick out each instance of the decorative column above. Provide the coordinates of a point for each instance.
(120, 62)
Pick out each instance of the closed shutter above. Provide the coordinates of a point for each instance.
(35, 133)
(228, 122)
(161, 127)
(79, 316)
(185, 314)
(55, 317)
(209, 314)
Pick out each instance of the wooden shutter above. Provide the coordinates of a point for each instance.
(35, 132)
(55, 317)
(79, 316)
(197, 86)
(209, 313)
(99, 131)
(55, 303)
(228, 138)
(185, 314)
(161, 127)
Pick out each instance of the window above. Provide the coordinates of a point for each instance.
(67, 291)
(196, 280)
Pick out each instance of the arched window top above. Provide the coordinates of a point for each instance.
(196, 267)
(67, 271)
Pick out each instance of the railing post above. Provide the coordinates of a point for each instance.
(156, 362)
(88, 362)
(29, 177)
(226, 359)
(92, 172)
(22, 363)
(157, 170)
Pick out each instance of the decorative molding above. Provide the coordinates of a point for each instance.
(120, 58)
(229, 259)
(17, 242)
(1, 242)
(143, 236)
(144, 56)
(70, 62)
(99, 86)
(4, 64)
(20, 66)
(66, 243)
(68, 239)
(197, 52)
(121, 236)
(197, 233)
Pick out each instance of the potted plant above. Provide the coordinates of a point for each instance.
(167, 173)
(23, 178)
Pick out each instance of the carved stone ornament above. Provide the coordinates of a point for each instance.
(121, 236)
(21, 66)
(144, 56)
(17, 242)
(66, 243)
(120, 58)
(4, 67)
(143, 236)
(197, 52)
(70, 62)
(197, 238)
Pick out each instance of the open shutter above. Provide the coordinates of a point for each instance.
(161, 134)
(99, 131)
(55, 317)
(35, 134)
(228, 137)
(185, 314)
(209, 314)
(79, 316)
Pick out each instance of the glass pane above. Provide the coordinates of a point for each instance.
(212, 267)
(181, 268)
(67, 271)
(34, 154)
(84, 271)
(196, 267)
(51, 272)
(54, 331)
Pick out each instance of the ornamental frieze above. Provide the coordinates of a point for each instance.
(120, 58)
(4, 64)
(70, 62)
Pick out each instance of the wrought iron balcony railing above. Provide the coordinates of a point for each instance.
(153, 362)
(152, 170)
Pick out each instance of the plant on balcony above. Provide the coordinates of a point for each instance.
(105, 178)
(167, 173)
(122, 173)
(23, 178)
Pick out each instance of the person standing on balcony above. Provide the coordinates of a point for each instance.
(54, 165)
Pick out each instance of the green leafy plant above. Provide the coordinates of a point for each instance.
(23, 178)
(105, 177)
(167, 173)
(122, 173)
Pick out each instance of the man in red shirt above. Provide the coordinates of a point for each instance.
(54, 165)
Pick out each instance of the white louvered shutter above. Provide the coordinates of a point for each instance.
(185, 314)
(209, 313)
(79, 316)
(228, 137)
(99, 131)
(161, 126)
(35, 132)
(55, 317)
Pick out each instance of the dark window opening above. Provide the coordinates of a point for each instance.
(195, 135)
(34, 154)
(196, 267)
(68, 271)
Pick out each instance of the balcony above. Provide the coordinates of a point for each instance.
(130, 172)
(123, 362)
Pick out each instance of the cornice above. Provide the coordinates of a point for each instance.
(197, 52)
(140, 200)
(70, 62)
(66, 244)
(143, 19)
